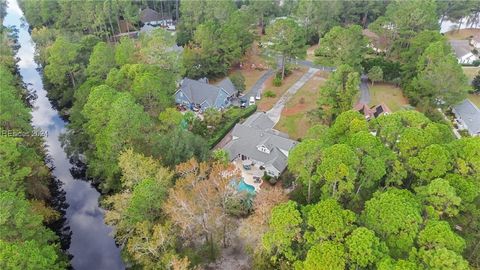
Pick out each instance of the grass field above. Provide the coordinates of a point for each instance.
(475, 99)
(294, 120)
(266, 103)
(389, 94)
(462, 33)
(471, 72)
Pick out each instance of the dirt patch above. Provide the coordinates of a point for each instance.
(462, 33)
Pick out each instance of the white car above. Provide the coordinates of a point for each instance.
(258, 96)
(251, 101)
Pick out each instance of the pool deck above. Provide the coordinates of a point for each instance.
(248, 174)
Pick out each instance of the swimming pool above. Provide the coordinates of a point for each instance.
(242, 186)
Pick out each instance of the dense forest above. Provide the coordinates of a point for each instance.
(396, 192)
(29, 206)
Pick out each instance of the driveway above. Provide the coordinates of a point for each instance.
(364, 92)
(275, 112)
(259, 84)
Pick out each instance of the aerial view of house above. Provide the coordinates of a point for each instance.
(468, 116)
(199, 95)
(463, 51)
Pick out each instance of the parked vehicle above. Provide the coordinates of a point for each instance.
(258, 96)
(251, 101)
(243, 102)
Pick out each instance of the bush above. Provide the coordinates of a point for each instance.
(232, 117)
(391, 70)
(269, 94)
(277, 81)
(238, 81)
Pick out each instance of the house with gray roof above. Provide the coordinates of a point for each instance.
(200, 95)
(257, 141)
(463, 51)
(468, 117)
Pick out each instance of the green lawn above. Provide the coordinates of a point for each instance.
(475, 99)
(389, 94)
(471, 72)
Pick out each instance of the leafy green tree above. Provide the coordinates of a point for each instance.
(364, 248)
(285, 37)
(212, 117)
(338, 94)
(29, 255)
(125, 52)
(12, 174)
(170, 119)
(342, 46)
(101, 61)
(476, 84)
(303, 161)
(326, 255)
(263, 10)
(440, 81)
(62, 62)
(438, 234)
(394, 215)
(221, 155)
(158, 49)
(327, 220)
(443, 259)
(284, 231)
(317, 17)
(338, 171)
(441, 197)
(375, 74)
(432, 162)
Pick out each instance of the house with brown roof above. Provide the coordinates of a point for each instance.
(372, 112)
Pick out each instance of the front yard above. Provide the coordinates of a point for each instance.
(471, 72)
(294, 120)
(389, 94)
(462, 33)
(266, 103)
(475, 99)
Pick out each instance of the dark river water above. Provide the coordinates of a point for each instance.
(91, 245)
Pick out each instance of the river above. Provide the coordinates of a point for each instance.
(91, 245)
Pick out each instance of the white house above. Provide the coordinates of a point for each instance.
(467, 117)
(463, 51)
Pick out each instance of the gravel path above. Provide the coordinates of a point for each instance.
(275, 112)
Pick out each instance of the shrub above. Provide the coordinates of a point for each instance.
(238, 81)
(302, 100)
(277, 81)
(269, 94)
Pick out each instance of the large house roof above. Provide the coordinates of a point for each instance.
(200, 92)
(149, 15)
(227, 85)
(460, 47)
(470, 114)
(247, 138)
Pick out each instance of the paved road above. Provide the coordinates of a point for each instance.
(364, 92)
(310, 64)
(275, 112)
(259, 84)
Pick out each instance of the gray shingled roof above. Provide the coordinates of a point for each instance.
(460, 47)
(470, 114)
(259, 120)
(227, 85)
(247, 138)
(149, 15)
(199, 92)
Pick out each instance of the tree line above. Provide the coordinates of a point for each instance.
(28, 208)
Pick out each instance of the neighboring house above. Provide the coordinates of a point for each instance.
(199, 95)
(376, 42)
(257, 141)
(372, 112)
(468, 117)
(149, 15)
(463, 51)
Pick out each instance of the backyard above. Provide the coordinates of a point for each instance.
(388, 94)
(295, 121)
(266, 103)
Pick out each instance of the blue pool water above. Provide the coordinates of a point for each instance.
(242, 186)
